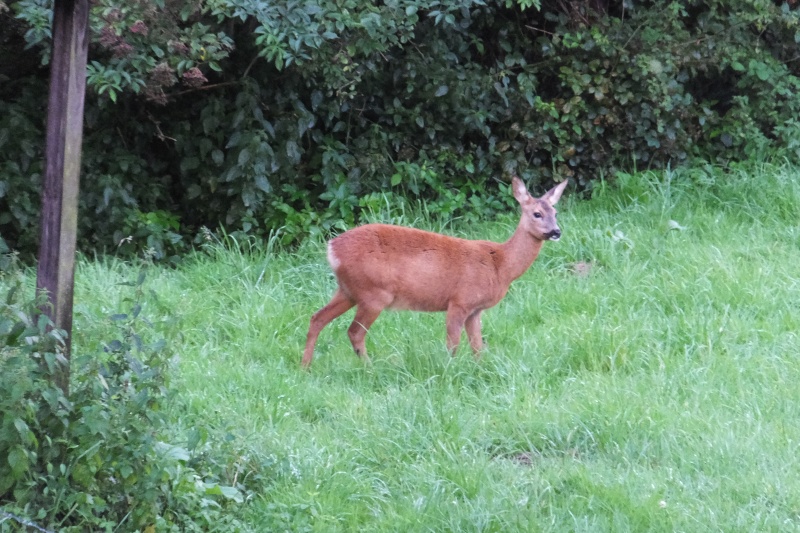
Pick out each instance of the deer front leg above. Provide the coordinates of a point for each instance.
(455, 324)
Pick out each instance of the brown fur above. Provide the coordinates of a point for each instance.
(379, 267)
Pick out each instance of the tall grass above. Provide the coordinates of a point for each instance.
(642, 376)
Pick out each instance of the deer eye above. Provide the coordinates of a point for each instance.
(537, 215)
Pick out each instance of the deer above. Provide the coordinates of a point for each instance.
(382, 266)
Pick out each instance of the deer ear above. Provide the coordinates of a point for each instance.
(519, 189)
(553, 195)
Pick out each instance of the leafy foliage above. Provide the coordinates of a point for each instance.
(102, 456)
(256, 116)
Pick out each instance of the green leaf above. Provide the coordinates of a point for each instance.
(230, 493)
(18, 460)
(169, 451)
(115, 346)
(244, 157)
(293, 151)
(316, 99)
(262, 183)
(22, 427)
(196, 436)
(442, 90)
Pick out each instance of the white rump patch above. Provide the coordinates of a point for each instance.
(332, 259)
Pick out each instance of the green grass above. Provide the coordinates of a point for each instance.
(657, 393)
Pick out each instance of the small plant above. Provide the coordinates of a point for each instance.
(101, 457)
(154, 233)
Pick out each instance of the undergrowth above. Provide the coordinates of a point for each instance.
(101, 457)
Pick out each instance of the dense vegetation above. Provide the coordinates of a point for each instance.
(305, 115)
(642, 376)
(99, 458)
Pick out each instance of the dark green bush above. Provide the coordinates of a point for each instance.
(255, 116)
(102, 458)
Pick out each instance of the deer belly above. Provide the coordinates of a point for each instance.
(404, 303)
(420, 291)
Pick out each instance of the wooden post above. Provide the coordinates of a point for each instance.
(56, 271)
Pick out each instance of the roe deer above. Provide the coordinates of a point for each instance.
(379, 266)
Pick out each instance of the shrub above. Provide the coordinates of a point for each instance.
(256, 116)
(101, 457)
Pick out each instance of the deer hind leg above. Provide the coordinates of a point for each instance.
(365, 317)
(473, 327)
(337, 306)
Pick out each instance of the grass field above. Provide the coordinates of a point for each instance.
(644, 375)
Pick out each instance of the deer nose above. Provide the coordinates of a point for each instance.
(554, 235)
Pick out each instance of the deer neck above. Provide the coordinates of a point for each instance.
(519, 253)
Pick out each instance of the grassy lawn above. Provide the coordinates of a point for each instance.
(642, 376)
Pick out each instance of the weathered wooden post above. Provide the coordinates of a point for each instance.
(60, 183)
